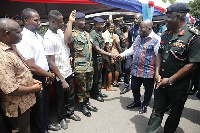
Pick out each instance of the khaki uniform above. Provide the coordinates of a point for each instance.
(97, 62)
(82, 64)
(176, 51)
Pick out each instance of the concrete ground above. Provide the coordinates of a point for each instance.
(114, 117)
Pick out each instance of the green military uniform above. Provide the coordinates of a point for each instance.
(97, 62)
(82, 64)
(176, 51)
(121, 36)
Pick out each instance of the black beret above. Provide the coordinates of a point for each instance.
(79, 15)
(98, 19)
(179, 7)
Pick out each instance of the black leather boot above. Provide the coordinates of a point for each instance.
(89, 106)
(84, 110)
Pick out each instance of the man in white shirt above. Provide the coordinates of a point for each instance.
(59, 62)
(31, 48)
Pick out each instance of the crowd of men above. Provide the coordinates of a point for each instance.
(31, 63)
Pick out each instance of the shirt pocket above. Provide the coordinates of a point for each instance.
(81, 66)
(179, 52)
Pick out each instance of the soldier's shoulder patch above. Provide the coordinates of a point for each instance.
(194, 30)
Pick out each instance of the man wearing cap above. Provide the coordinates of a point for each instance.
(81, 47)
(97, 52)
(178, 57)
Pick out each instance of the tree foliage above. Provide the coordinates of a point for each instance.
(195, 8)
(170, 1)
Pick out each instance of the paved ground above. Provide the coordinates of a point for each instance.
(114, 117)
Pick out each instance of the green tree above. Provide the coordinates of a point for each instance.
(170, 1)
(195, 8)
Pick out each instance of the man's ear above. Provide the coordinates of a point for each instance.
(7, 34)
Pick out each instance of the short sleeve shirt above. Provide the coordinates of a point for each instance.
(31, 46)
(177, 51)
(14, 74)
(54, 45)
(108, 38)
(97, 41)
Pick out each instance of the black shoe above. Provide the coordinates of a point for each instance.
(90, 107)
(133, 105)
(63, 124)
(100, 99)
(121, 79)
(125, 90)
(191, 92)
(74, 117)
(53, 127)
(85, 111)
(103, 95)
(143, 109)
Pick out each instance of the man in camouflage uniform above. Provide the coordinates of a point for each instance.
(178, 57)
(82, 63)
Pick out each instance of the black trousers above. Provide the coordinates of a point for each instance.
(65, 99)
(21, 123)
(41, 108)
(162, 99)
(136, 83)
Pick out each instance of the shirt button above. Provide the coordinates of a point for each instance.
(163, 70)
(163, 60)
(166, 51)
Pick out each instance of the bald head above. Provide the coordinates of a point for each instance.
(147, 23)
(146, 28)
(10, 32)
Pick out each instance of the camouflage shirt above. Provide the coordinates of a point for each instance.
(81, 51)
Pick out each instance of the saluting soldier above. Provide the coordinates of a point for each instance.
(178, 57)
(97, 52)
(83, 70)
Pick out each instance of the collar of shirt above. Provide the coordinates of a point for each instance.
(153, 35)
(27, 31)
(4, 47)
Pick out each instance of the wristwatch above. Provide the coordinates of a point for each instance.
(109, 54)
(169, 81)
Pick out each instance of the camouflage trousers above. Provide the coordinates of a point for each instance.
(84, 83)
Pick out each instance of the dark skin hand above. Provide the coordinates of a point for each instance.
(54, 68)
(35, 69)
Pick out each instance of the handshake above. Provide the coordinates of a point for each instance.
(116, 57)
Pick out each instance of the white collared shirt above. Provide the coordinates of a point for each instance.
(54, 45)
(31, 46)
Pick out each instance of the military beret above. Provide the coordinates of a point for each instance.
(79, 15)
(98, 19)
(179, 7)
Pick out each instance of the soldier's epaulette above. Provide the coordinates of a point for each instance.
(194, 30)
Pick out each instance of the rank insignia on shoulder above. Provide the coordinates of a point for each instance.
(194, 30)
(182, 32)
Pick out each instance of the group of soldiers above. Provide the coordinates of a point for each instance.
(31, 63)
